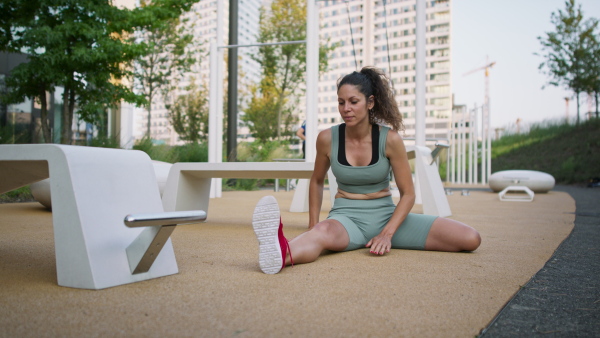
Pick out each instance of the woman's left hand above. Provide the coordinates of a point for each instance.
(380, 244)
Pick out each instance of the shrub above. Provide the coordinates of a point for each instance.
(22, 194)
(192, 152)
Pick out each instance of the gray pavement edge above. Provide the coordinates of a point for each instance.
(563, 298)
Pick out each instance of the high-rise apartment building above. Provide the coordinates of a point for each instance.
(382, 34)
(203, 17)
(368, 33)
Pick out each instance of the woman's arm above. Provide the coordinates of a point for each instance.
(300, 134)
(396, 152)
(317, 180)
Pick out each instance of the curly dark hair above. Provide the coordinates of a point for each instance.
(372, 81)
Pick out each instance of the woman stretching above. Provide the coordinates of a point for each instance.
(361, 153)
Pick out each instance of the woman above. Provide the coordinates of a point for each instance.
(361, 153)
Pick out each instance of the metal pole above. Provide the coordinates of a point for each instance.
(475, 145)
(212, 103)
(232, 92)
(452, 151)
(265, 44)
(312, 74)
(217, 182)
(448, 179)
(472, 164)
(489, 128)
(420, 65)
(462, 151)
(483, 145)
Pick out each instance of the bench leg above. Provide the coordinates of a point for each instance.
(92, 189)
(300, 199)
(429, 184)
(142, 252)
(186, 192)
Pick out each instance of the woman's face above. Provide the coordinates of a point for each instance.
(353, 105)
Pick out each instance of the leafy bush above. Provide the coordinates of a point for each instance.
(262, 152)
(22, 194)
(258, 152)
(106, 142)
(245, 184)
(145, 144)
(157, 152)
(192, 152)
(15, 134)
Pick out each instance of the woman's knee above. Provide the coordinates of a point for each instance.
(471, 240)
(331, 233)
(450, 235)
(326, 228)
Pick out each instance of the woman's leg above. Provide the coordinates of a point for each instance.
(326, 235)
(450, 235)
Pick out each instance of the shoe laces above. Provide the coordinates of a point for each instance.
(287, 245)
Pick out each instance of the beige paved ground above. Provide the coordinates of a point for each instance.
(221, 292)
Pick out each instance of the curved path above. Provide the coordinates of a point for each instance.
(563, 298)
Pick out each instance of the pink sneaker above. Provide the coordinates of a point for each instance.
(272, 245)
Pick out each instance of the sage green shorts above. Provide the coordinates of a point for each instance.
(364, 219)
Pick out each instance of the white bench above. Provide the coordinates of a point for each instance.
(92, 191)
(188, 184)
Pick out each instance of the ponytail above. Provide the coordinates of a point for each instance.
(372, 81)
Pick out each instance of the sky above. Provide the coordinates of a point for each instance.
(506, 31)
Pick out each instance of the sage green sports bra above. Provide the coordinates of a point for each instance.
(361, 179)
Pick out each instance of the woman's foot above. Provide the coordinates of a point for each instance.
(272, 245)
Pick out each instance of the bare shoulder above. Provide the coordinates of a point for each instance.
(324, 142)
(324, 138)
(394, 143)
(394, 136)
(324, 135)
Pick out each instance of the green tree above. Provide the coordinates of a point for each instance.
(263, 115)
(76, 45)
(169, 52)
(567, 48)
(269, 114)
(592, 66)
(189, 114)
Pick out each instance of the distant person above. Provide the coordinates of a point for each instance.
(301, 133)
(361, 152)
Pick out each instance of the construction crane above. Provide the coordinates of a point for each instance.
(486, 139)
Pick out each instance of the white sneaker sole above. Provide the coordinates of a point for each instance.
(265, 222)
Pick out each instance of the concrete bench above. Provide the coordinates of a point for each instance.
(92, 191)
(188, 184)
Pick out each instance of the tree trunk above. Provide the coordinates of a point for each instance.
(596, 95)
(577, 96)
(71, 112)
(44, 117)
(279, 107)
(64, 135)
(67, 116)
(149, 115)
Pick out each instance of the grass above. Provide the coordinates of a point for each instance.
(570, 153)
